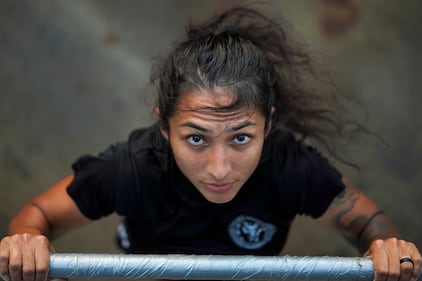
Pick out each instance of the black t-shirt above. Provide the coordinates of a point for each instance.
(164, 213)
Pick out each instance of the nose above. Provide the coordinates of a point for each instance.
(218, 165)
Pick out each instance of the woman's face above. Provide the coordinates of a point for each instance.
(216, 151)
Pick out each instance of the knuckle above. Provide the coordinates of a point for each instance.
(15, 266)
(28, 272)
(411, 245)
(42, 240)
(5, 240)
(394, 274)
(26, 237)
(378, 243)
(4, 258)
(393, 241)
(408, 269)
(3, 271)
(15, 239)
(382, 274)
(42, 270)
(403, 243)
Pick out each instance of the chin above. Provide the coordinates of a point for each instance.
(219, 198)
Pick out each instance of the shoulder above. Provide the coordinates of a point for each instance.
(283, 147)
(149, 149)
(294, 161)
(119, 155)
(300, 171)
(148, 138)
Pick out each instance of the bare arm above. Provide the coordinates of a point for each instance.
(25, 253)
(361, 222)
(52, 213)
(358, 218)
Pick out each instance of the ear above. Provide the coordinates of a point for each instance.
(162, 130)
(164, 133)
(157, 111)
(268, 129)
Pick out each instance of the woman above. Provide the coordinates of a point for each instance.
(225, 170)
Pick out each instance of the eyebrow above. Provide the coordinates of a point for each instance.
(230, 129)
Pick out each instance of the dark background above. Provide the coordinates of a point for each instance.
(73, 78)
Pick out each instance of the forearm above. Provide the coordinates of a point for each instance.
(358, 218)
(377, 226)
(51, 214)
(25, 253)
(30, 219)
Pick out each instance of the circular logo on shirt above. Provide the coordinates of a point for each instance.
(250, 233)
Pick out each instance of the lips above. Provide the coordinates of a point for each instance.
(219, 188)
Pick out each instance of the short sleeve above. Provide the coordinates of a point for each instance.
(97, 179)
(323, 183)
(305, 181)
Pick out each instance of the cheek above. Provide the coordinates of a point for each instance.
(188, 160)
(249, 159)
(191, 166)
(185, 158)
(253, 155)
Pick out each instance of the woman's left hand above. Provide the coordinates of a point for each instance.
(395, 259)
(361, 222)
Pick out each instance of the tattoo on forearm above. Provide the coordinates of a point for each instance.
(347, 201)
(378, 227)
(370, 219)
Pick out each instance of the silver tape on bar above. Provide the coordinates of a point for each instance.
(211, 267)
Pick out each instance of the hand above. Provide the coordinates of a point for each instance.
(389, 265)
(24, 257)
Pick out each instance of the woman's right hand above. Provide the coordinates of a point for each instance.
(25, 253)
(25, 257)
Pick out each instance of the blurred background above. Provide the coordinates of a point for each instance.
(73, 79)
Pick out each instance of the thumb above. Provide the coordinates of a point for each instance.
(367, 254)
(52, 249)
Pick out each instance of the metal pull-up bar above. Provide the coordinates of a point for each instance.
(210, 267)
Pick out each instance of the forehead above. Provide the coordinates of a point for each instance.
(200, 111)
(212, 105)
(204, 99)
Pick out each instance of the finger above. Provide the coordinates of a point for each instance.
(406, 268)
(393, 252)
(42, 262)
(4, 260)
(28, 263)
(51, 247)
(406, 262)
(15, 264)
(380, 260)
(417, 261)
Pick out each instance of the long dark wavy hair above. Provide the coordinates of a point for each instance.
(245, 53)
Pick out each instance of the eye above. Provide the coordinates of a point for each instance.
(241, 139)
(195, 140)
